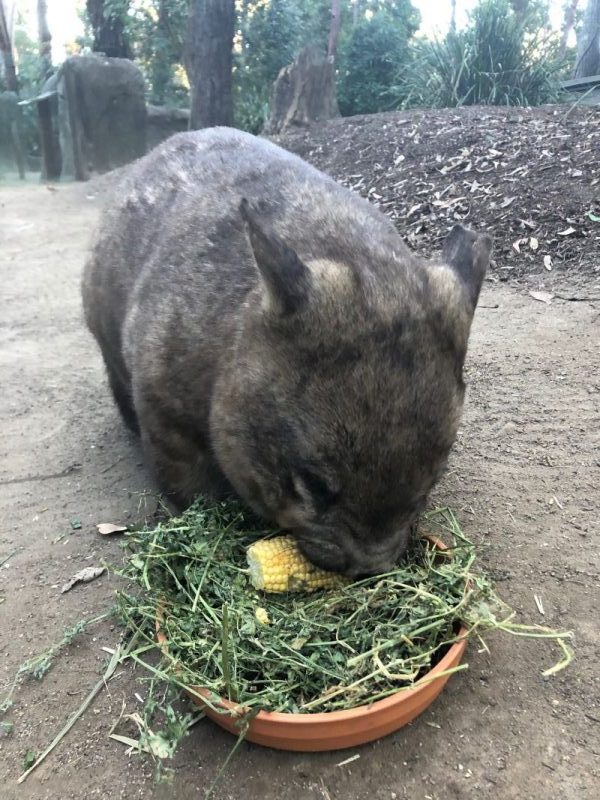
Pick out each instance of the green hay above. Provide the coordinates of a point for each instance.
(326, 651)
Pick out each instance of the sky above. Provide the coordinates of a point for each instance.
(65, 24)
(435, 14)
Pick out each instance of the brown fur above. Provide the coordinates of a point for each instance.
(269, 333)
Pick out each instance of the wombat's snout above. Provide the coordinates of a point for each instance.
(352, 558)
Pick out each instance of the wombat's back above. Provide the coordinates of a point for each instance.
(181, 203)
(172, 243)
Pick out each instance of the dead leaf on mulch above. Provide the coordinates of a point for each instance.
(543, 297)
(548, 262)
(83, 576)
(108, 528)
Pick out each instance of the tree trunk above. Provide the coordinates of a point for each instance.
(45, 40)
(6, 50)
(75, 123)
(567, 27)
(334, 30)
(160, 68)
(357, 11)
(453, 16)
(303, 92)
(108, 29)
(588, 45)
(51, 157)
(208, 62)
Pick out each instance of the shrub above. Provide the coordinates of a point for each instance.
(499, 59)
(370, 58)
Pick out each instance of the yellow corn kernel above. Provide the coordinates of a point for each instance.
(277, 565)
(262, 616)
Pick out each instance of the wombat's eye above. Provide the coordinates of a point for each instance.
(312, 487)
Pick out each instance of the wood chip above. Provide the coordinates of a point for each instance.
(548, 262)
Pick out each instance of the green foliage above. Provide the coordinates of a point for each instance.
(156, 31)
(116, 9)
(270, 34)
(372, 54)
(501, 58)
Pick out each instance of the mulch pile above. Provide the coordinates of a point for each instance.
(528, 176)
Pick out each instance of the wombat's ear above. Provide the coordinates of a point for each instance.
(469, 256)
(286, 279)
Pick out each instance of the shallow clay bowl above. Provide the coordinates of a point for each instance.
(335, 730)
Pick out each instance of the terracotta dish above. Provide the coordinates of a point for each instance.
(335, 730)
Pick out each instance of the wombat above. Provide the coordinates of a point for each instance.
(270, 335)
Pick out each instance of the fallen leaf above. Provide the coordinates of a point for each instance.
(548, 262)
(543, 297)
(507, 201)
(527, 223)
(533, 243)
(106, 528)
(517, 245)
(83, 576)
(593, 217)
(566, 232)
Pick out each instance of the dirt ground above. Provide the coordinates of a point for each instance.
(524, 480)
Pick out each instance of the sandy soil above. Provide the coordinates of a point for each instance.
(524, 479)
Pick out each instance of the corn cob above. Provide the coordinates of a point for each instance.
(277, 565)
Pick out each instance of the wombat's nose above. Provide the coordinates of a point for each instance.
(372, 567)
(380, 559)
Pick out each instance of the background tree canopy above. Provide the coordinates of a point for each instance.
(507, 53)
